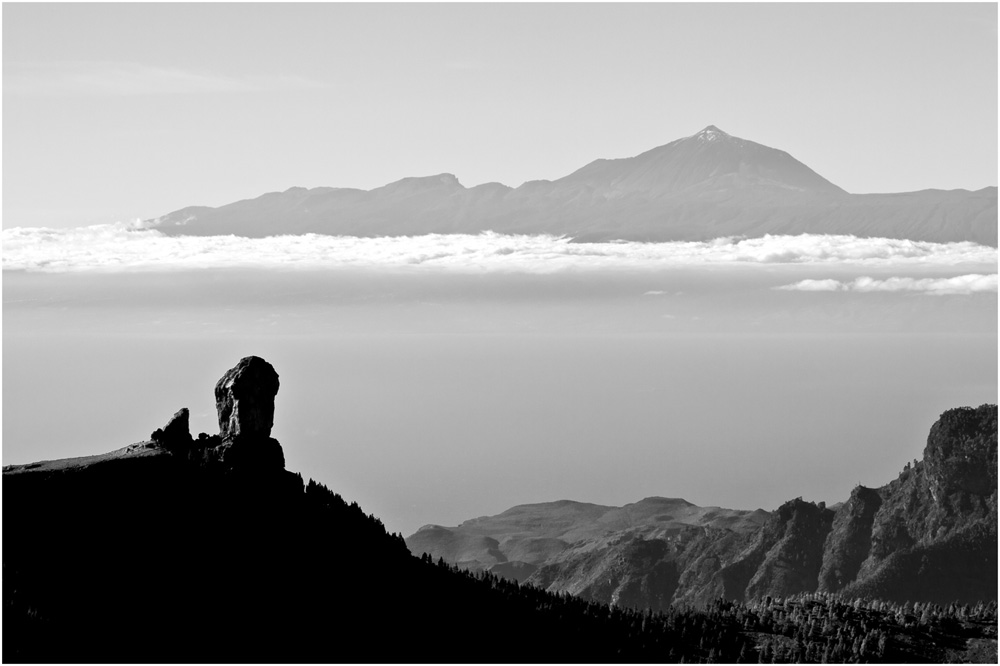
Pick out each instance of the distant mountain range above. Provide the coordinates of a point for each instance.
(930, 534)
(704, 186)
(520, 540)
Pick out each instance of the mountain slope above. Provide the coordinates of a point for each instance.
(929, 535)
(710, 160)
(179, 549)
(700, 187)
(935, 533)
(206, 549)
(534, 534)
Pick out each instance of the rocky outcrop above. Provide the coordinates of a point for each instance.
(931, 534)
(177, 432)
(935, 533)
(960, 468)
(850, 539)
(793, 563)
(954, 487)
(244, 398)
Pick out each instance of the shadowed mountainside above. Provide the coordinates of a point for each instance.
(185, 549)
(699, 187)
(930, 534)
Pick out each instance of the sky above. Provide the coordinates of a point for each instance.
(429, 394)
(115, 112)
(437, 378)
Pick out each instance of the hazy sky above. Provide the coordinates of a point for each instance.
(438, 378)
(118, 111)
(431, 397)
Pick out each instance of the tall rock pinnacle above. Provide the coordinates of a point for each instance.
(244, 398)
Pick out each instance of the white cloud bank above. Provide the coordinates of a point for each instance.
(122, 247)
(962, 284)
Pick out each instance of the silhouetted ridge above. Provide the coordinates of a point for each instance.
(171, 550)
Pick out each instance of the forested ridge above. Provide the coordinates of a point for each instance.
(217, 567)
(803, 628)
(208, 550)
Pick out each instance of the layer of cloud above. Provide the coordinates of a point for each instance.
(124, 78)
(117, 247)
(962, 284)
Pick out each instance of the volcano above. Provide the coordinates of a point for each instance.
(707, 185)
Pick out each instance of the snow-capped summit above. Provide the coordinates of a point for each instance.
(711, 133)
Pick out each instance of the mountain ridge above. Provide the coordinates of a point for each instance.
(703, 186)
(184, 549)
(932, 529)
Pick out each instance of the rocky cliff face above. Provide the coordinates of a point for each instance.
(960, 464)
(850, 539)
(695, 565)
(929, 535)
(793, 563)
(935, 531)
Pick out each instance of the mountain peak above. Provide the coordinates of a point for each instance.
(702, 186)
(711, 133)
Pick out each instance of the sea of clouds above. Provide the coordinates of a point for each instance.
(961, 284)
(124, 248)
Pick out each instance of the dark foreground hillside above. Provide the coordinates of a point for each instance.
(181, 549)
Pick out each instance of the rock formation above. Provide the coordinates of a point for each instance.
(793, 563)
(177, 432)
(850, 539)
(931, 534)
(935, 534)
(244, 398)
